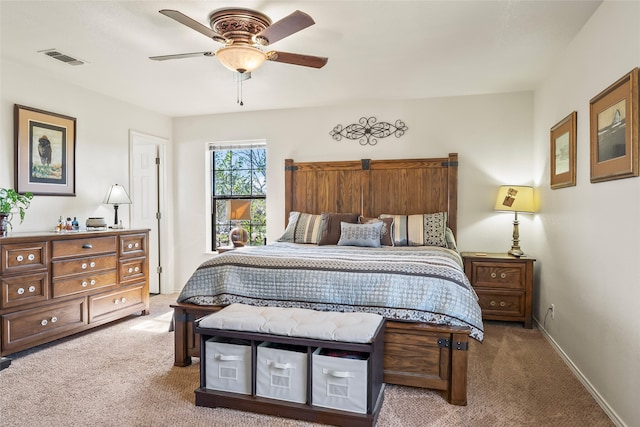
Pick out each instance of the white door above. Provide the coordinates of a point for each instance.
(146, 198)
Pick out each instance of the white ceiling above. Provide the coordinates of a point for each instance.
(377, 50)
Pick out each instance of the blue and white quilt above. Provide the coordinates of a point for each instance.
(415, 284)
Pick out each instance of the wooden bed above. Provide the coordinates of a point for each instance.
(416, 354)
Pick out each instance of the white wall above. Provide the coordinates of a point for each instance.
(102, 143)
(491, 133)
(588, 244)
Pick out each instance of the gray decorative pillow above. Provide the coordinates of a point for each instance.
(450, 238)
(385, 232)
(360, 234)
(289, 232)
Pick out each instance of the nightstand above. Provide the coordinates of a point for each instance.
(504, 285)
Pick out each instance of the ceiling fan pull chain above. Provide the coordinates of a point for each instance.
(239, 91)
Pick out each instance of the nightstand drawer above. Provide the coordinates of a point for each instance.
(498, 275)
(501, 303)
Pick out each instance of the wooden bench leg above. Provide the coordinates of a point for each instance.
(180, 322)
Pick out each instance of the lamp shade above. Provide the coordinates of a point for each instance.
(241, 58)
(238, 210)
(117, 195)
(515, 198)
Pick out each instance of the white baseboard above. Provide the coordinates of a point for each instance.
(585, 382)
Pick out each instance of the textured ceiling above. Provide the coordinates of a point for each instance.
(377, 50)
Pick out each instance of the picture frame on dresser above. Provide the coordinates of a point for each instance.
(45, 146)
(563, 152)
(614, 130)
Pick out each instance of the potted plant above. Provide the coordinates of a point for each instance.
(10, 201)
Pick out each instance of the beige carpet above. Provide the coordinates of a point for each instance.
(123, 375)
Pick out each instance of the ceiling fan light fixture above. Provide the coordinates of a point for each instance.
(241, 59)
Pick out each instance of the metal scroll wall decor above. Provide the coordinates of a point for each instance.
(368, 130)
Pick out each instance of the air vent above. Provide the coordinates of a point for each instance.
(62, 57)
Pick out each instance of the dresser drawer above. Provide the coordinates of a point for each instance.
(502, 303)
(133, 245)
(27, 328)
(133, 270)
(498, 275)
(105, 305)
(19, 257)
(83, 265)
(24, 289)
(83, 247)
(84, 283)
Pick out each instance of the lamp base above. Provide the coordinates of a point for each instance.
(238, 236)
(516, 252)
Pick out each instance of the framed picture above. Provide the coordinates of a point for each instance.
(563, 152)
(614, 130)
(45, 147)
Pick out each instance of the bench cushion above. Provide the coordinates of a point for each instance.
(295, 322)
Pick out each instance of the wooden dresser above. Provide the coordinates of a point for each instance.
(57, 284)
(503, 283)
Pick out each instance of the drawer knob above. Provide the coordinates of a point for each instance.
(93, 281)
(503, 275)
(54, 319)
(137, 244)
(137, 269)
(84, 265)
(92, 264)
(44, 322)
(492, 303)
(124, 300)
(84, 284)
(31, 257)
(502, 303)
(117, 301)
(20, 291)
(87, 246)
(493, 275)
(32, 289)
(20, 258)
(129, 246)
(130, 270)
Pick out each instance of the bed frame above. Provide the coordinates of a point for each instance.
(415, 354)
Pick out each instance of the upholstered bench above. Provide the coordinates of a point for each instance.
(311, 365)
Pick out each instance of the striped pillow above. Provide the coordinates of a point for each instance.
(308, 229)
(419, 230)
(302, 228)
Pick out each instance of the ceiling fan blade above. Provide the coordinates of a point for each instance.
(297, 59)
(283, 28)
(181, 55)
(192, 23)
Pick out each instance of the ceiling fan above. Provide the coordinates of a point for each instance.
(243, 32)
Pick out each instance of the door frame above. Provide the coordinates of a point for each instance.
(163, 226)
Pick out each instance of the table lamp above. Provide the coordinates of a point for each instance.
(117, 195)
(515, 198)
(238, 210)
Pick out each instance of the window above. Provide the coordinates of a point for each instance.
(238, 172)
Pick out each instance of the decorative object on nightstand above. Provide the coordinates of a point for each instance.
(504, 285)
(238, 210)
(515, 198)
(116, 196)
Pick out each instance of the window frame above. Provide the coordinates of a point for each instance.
(211, 197)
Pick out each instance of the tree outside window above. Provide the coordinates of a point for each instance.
(238, 173)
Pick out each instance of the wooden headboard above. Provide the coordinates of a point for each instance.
(372, 187)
